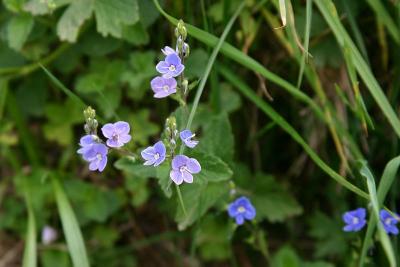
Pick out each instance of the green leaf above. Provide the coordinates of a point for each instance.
(136, 34)
(72, 233)
(73, 18)
(212, 239)
(111, 16)
(91, 202)
(18, 30)
(137, 169)
(218, 138)
(286, 257)
(142, 127)
(213, 169)
(271, 200)
(199, 198)
(383, 236)
(38, 7)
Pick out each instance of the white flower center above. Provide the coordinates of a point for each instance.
(166, 88)
(99, 156)
(115, 137)
(241, 209)
(355, 220)
(183, 169)
(172, 68)
(156, 156)
(388, 221)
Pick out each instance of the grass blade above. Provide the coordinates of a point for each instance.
(30, 254)
(306, 41)
(270, 112)
(63, 88)
(385, 18)
(72, 233)
(243, 59)
(389, 174)
(383, 236)
(328, 10)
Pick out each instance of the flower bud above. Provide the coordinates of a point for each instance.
(181, 29)
(89, 113)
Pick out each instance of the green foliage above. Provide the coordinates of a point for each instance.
(332, 72)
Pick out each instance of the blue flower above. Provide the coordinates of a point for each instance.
(154, 155)
(186, 137)
(163, 87)
(354, 219)
(86, 144)
(182, 169)
(168, 51)
(389, 222)
(171, 66)
(116, 133)
(241, 209)
(93, 152)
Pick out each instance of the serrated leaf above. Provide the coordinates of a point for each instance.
(272, 201)
(111, 16)
(73, 18)
(218, 138)
(18, 30)
(199, 198)
(213, 169)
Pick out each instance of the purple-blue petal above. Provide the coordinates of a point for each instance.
(179, 161)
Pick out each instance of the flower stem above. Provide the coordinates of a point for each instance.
(178, 191)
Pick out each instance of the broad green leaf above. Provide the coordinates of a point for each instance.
(271, 200)
(213, 169)
(198, 199)
(40, 7)
(383, 236)
(212, 238)
(137, 169)
(18, 30)
(217, 138)
(111, 16)
(72, 233)
(54, 257)
(91, 202)
(136, 34)
(73, 18)
(142, 127)
(286, 257)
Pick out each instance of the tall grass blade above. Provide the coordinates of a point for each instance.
(306, 41)
(389, 174)
(72, 233)
(30, 253)
(383, 15)
(328, 10)
(383, 236)
(270, 112)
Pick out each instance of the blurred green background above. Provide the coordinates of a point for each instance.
(333, 76)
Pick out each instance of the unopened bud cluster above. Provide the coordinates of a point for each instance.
(171, 133)
(91, 123)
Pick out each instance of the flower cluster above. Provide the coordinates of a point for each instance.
(182, 167)
(171, 67)
(355, 220)
(241, 209)
(92, 148)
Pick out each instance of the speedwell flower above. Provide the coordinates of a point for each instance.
(163, 87)
(186, 137)
(154, 155)
(117, 133)
(86, 142)
(354, 219)
(182, 169)
(168, 51)
(171, 66)
(97, 156)
(389, 222)
(241, 209)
